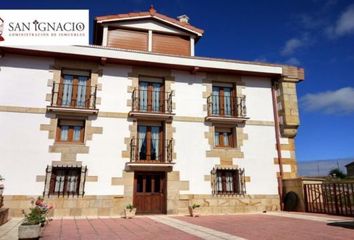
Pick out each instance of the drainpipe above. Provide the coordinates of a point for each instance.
(277, 138)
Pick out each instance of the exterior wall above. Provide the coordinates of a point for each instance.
(296, 185)
(24, 152)
(350, 170)
(24, 85)
(108, 186)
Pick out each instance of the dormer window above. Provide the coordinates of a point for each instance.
(147, 31)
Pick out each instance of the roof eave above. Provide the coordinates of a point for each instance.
(193, 64)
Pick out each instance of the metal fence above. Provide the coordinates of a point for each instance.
(330, 198)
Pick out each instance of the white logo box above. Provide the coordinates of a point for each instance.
(44, 27)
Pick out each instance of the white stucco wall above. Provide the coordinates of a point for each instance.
(259, 153)
(188, 97)
(24, 152)
(114, 94)
(191, 147)
(105, 157)
(23, 80)
(258, 98)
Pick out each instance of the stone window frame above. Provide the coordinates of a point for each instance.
(223, 129)
(242, 181)
(82, 131)
(48, 177)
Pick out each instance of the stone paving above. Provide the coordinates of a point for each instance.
(281, 226)
(203, 232)
(112, 228)
(9, 230)
(275, 225)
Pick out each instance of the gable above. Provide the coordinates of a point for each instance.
(149, 24)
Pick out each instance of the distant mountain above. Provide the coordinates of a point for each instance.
(320, 168)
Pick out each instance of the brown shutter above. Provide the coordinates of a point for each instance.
(170, 44)
(52, 181)
(236, 180)
(128, 39)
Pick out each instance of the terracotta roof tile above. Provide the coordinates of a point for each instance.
(151, 13)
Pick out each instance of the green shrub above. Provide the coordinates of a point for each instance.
(130, 207)
(195, 206)
(34, 217)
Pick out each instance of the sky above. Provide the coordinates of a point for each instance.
(317, 35)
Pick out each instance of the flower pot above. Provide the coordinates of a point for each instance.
(1, 189)
(194, 212)
(29, 231)
(129, 213)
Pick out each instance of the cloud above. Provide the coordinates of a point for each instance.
(293, 61)
(340, 101)
(291, 45)
(295, 43)
(344, 25)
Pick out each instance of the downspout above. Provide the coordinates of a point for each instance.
(277, 139)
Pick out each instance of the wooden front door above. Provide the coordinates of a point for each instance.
(150, 192)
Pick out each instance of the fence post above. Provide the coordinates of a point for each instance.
(335, 198)
(305, 198)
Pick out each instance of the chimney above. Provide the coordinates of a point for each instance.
(183, 18)
(152, 10)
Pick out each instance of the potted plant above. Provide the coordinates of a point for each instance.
(1, 192)
(31, 226)
(129, 211)
(194, 210)
(1, 185)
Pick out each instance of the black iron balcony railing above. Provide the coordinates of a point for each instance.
(152, 101)
(226, 106)
(74, 96)
(145, 150)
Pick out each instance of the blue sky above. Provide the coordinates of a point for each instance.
(315, 34)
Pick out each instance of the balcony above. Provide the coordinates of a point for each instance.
(151, 154)
(226, 109)
(73, 98)
(151, 104)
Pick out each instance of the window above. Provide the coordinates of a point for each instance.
(150, 143)
(65, 181)
(229, 181)
(223, 100)
(224, 137)
(151, 95)
(70, 131)
(74, 89)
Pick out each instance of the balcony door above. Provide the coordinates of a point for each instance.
(223, 101)
(150, 192)
(150, 143)
(151, 96)
(74, 90)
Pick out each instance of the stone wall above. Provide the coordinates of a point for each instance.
(114, 205)
(296, 185)
(71, 206)
(210, 204)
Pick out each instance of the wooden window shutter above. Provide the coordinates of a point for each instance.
(128, 39)
(170, 44)
(52, 182)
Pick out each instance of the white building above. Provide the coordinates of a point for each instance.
(137, 118)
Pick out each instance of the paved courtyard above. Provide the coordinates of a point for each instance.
(275, 225)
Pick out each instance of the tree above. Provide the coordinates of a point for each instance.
(336, 172)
